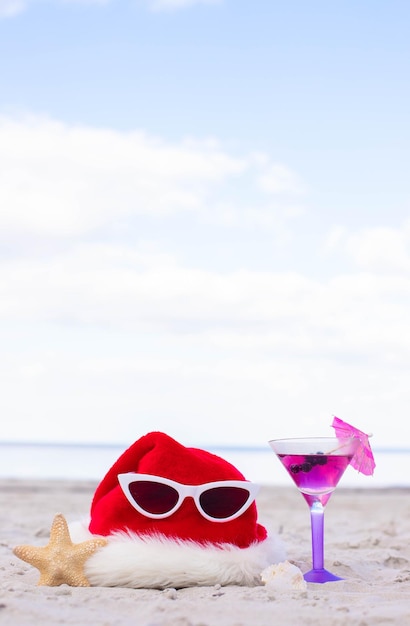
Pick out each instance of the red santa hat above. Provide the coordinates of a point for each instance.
(185, 542)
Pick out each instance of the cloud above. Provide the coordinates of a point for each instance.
(131, 335)
(109, 321)
(61, 180)
(335, 238)
(10, 8)
(346, 318)
(381, 249)
(279, 179)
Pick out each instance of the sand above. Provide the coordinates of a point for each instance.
(367, 536)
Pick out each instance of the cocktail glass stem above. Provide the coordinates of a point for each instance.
(317, 518)
(318, 573)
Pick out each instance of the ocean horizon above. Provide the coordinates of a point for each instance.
(85, 461)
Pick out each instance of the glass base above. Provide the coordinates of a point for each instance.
(320, 576)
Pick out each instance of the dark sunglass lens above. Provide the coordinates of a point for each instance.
(154, 498)
(222, 502)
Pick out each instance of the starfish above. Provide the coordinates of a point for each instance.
(61, 561)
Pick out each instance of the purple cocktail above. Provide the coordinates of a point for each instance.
(316, 465)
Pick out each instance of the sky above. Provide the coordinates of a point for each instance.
(204, 219)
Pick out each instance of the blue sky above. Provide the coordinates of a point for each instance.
(205, 223)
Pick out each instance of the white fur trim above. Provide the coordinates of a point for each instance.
(157, 562)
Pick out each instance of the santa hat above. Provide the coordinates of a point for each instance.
(179, 550)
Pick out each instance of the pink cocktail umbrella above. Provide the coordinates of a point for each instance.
(363, 460)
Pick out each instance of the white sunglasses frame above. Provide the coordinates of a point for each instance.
(185, 491)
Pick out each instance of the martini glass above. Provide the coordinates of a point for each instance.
(316, 465)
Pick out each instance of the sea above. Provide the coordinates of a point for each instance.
(258, 464)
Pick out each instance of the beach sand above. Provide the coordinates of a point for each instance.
(367, 536)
